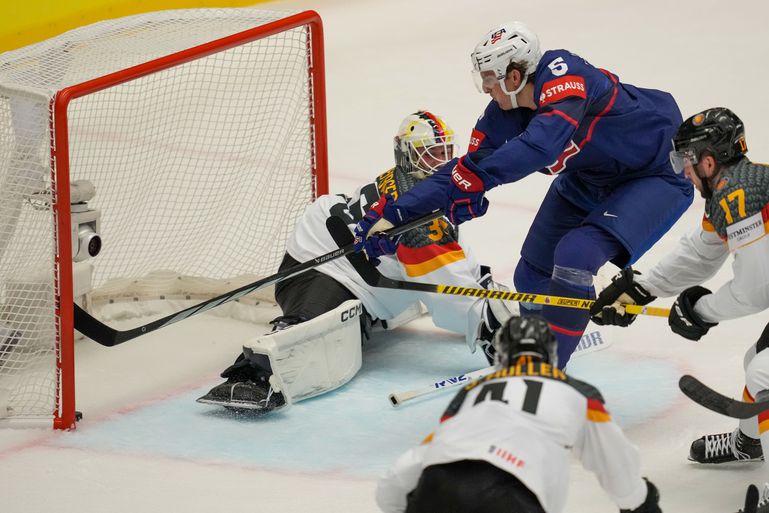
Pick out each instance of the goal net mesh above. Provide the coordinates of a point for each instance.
(200, 170)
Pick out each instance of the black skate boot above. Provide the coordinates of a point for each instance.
(257, 397)
(755, 502)
(247, 387)
(726, 448)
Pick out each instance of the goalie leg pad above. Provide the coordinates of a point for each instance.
(315, 356)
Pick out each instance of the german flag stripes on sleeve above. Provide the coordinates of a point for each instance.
(596, 411)
(424, 260)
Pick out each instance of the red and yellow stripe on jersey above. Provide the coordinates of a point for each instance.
(424, 260)
(707, 225)
(596, 411)
(763, 422)
(763, 417)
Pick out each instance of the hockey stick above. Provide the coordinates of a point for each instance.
(589, 343)
(397, 398)
(751, 500)
(105, 335)
(705, 396)
(341, 234)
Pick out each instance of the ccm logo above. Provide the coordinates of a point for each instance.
(352, 313)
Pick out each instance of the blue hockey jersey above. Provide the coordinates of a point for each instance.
(587, 123)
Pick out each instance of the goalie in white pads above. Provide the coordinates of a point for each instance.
(504, 442)
(328, 309)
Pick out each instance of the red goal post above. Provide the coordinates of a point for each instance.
(201, 158)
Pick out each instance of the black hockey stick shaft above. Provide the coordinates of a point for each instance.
(705, 396)
(105, 335)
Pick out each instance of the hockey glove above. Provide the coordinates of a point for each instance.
(683, 320)
(494, 313)
(608, 309)
(375, 221)
(466, 194)
(652, 502)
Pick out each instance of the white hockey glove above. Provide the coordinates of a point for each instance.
(494, 314)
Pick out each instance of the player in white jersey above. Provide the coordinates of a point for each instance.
(328, 308)
(710, 148)
(504, 443)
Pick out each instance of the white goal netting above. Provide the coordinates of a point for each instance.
(201, 164)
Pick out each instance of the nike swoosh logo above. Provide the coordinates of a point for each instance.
(607, 214)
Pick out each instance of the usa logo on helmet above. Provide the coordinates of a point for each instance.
(496, 36)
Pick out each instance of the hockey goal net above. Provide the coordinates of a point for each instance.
(187, 142)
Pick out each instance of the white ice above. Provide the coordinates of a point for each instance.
(145, 445)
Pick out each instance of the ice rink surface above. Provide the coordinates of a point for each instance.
(146, 446)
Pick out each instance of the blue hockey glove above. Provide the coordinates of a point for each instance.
(683, 320)
(375, 221)
(466, 198)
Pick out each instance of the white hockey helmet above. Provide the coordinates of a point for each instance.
(423, 144)
(500, 47)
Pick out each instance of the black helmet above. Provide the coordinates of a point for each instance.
(718, 131)
(525, 336)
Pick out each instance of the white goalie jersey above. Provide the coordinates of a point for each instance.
(526, 420)
(428, 254)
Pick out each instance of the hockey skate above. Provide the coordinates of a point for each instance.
(248, 386)
(256, 397)
(726, 448)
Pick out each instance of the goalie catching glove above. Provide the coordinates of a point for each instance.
(608, 307)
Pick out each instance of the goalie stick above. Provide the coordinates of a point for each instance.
(705, 396)
(398, 398)
(107, 336)
(341, 234)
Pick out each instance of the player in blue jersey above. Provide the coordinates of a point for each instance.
(607, 143)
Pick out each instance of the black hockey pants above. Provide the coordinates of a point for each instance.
(470, 486)
(309, 294)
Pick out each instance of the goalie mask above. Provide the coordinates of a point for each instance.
(513, 42)
(525, 336)
(423, 144)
